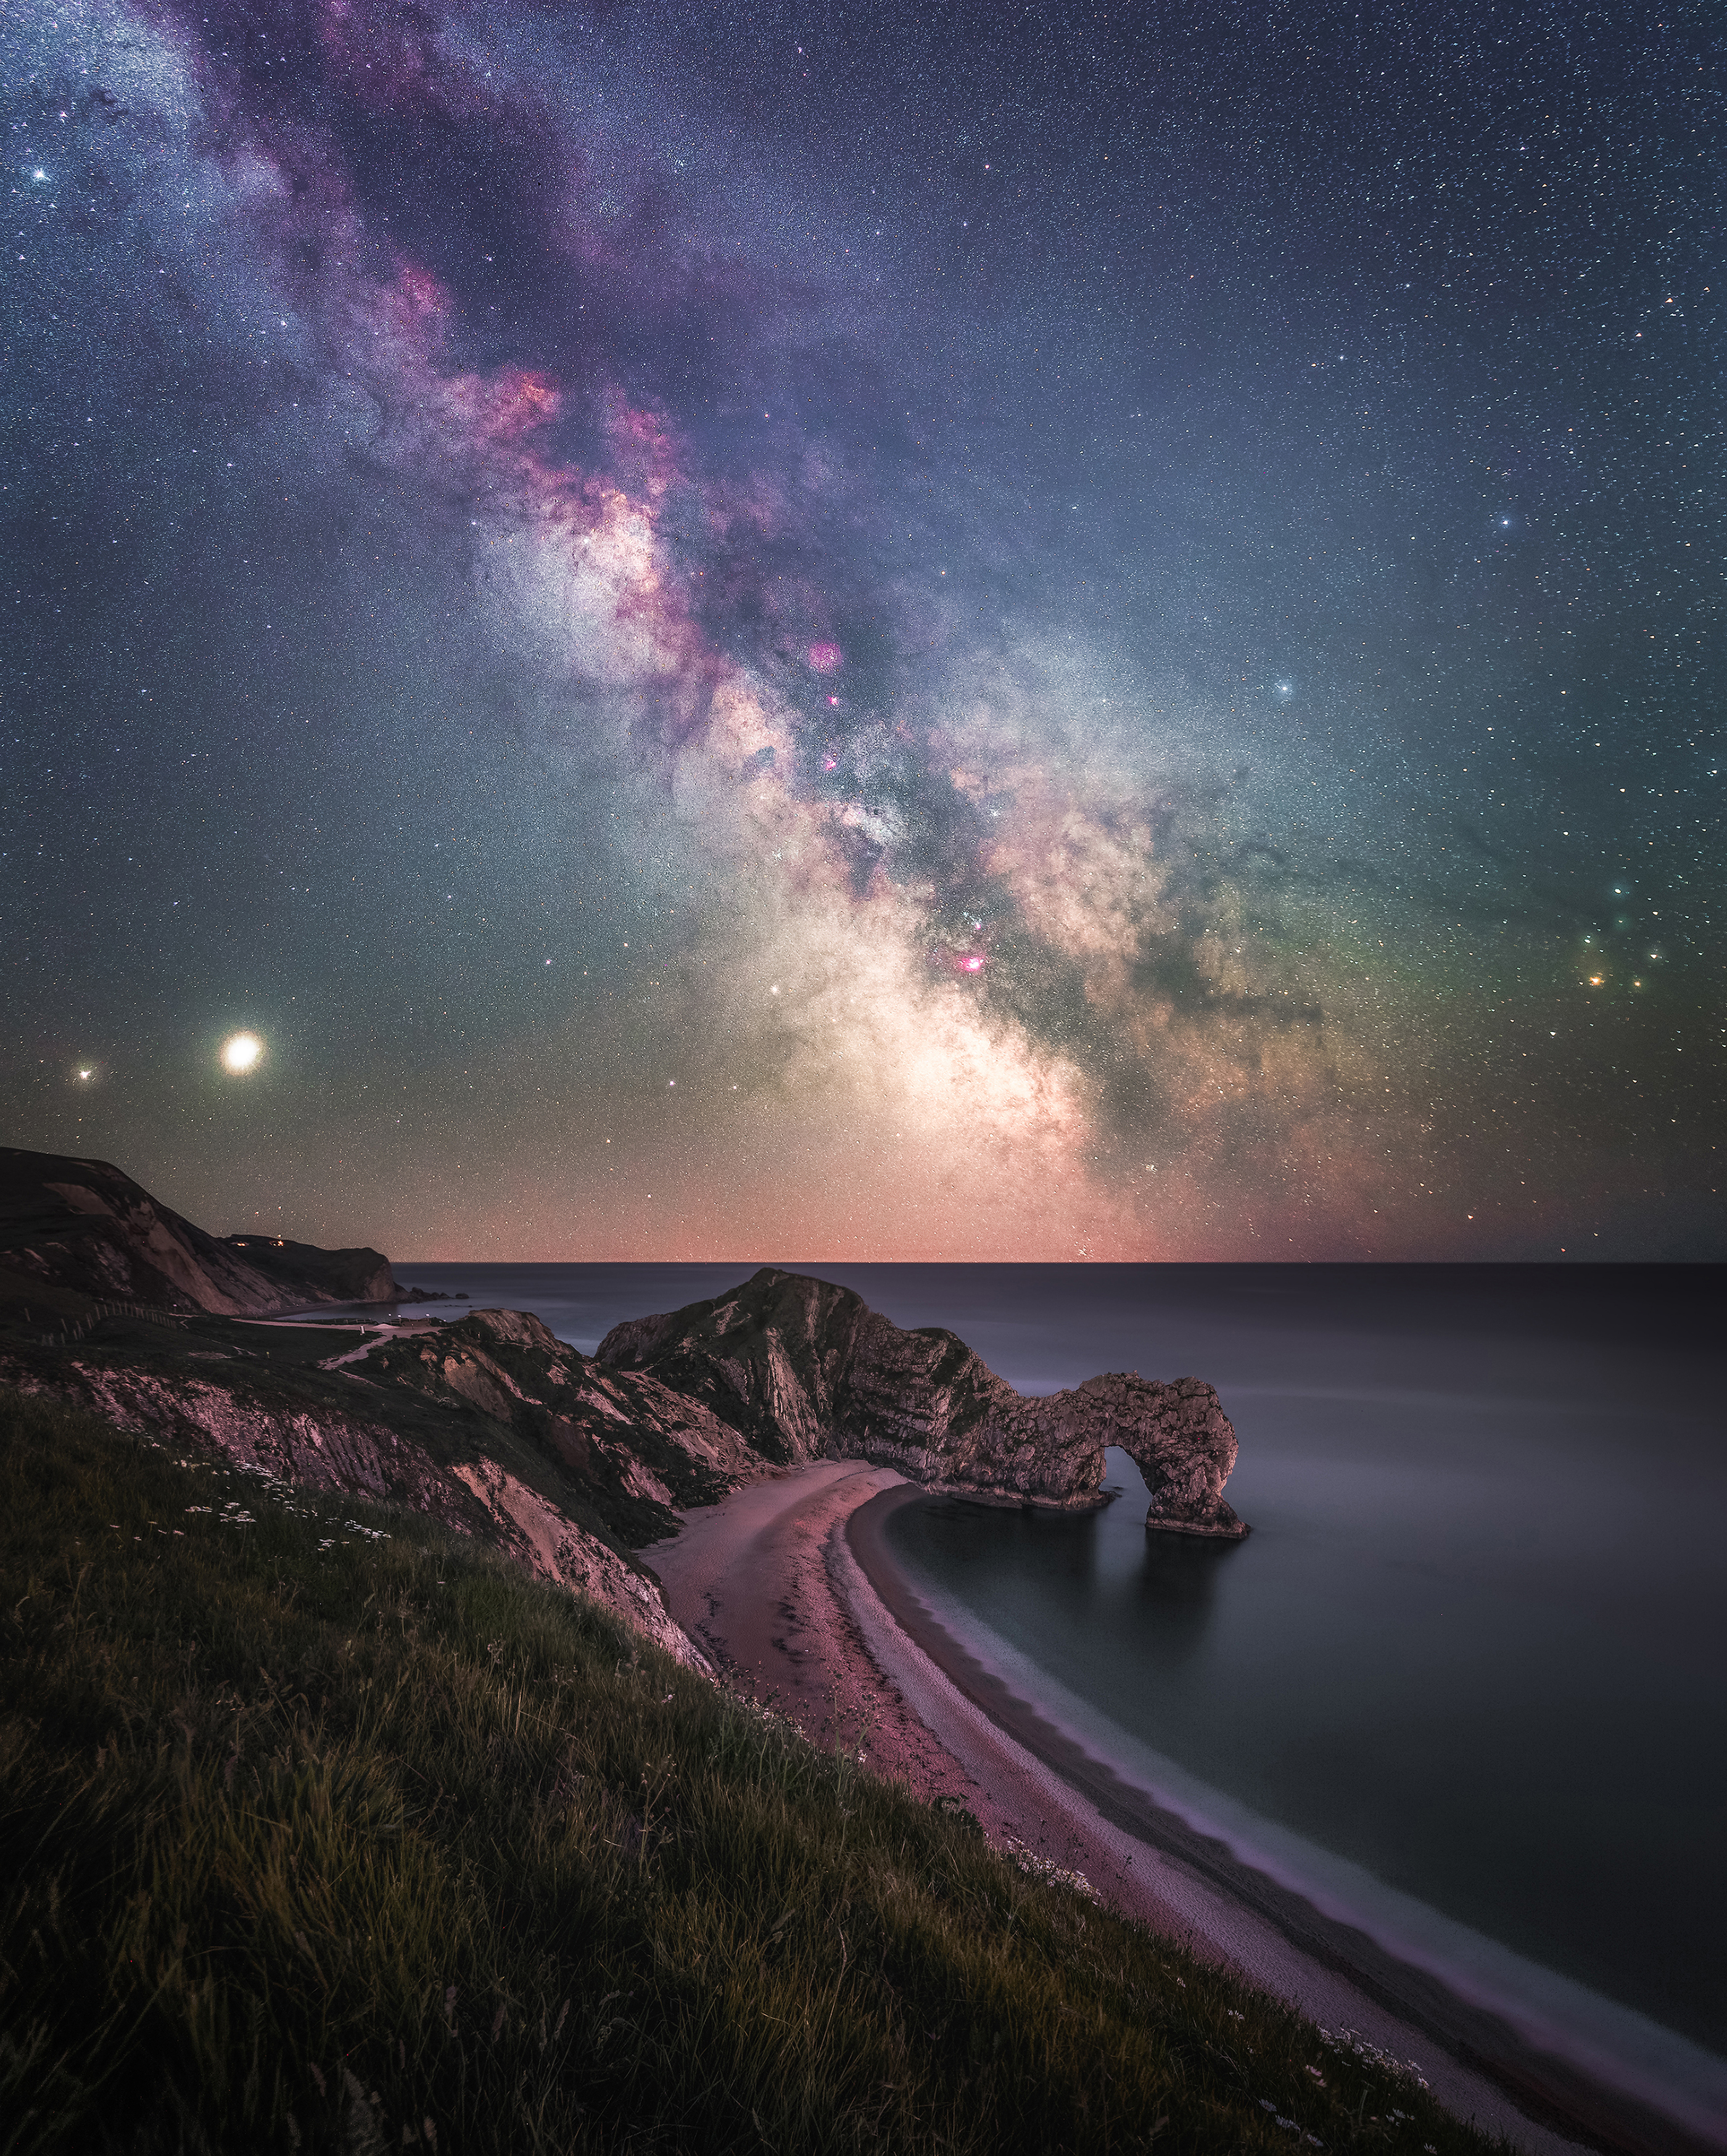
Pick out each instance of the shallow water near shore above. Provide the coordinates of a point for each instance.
(1469, 1656)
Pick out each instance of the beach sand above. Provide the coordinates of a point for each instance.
(788, 1585)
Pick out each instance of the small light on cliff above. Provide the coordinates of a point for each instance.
(241, 1053)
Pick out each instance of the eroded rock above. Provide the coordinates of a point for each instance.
(85, 1226)
(804, 1369)
(360, 1455)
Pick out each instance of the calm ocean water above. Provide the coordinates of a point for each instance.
(1465, 1679)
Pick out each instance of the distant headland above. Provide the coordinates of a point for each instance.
(788, 1368)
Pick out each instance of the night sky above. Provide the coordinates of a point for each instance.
(975, 632)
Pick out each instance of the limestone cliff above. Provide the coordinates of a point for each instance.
(309, 1275)
(82, 1228)
(635, 1449)
(353, 1438)
(802, 1370)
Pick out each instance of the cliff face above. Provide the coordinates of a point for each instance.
(81, 1226)
(501, 1430)
(493, 1426)
(802, 1368)
(311, 1274)
(635, 1449)
(357, 1453)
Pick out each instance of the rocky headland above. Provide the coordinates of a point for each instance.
(84, 1226)
(572, 1463)
(806, 1370)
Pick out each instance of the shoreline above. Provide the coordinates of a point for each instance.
(788, 1586)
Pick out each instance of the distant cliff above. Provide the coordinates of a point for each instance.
(82, 1227)
(311, 1274)
(803, 1370)
(110, 1300)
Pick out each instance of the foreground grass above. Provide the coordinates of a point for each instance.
(313, 1840)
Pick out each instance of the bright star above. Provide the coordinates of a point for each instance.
(240, 1053)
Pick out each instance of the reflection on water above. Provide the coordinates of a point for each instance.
(1176, 1592)
(1471, 1644)
(1093, 1569)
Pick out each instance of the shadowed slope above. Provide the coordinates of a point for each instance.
(325, 1836)
(83, 1226)
(806, 1369)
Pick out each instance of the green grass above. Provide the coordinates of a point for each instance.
(276, 1369)
(382, 1844)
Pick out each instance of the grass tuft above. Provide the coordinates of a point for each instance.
(316, 1841)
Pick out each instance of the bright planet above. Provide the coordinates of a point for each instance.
(240, 1053)
(1153, 570)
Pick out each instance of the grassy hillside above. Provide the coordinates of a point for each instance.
(573, 1443)
(310, 1839)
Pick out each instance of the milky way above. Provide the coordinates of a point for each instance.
(869, 633)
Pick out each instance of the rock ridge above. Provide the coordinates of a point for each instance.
(805, 1369)
(85, 1226)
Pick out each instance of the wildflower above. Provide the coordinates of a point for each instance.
(1044, 1867)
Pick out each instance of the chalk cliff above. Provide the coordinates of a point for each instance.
(493, 1426)
(112, 1300)
(630, 1446)
(81, 1227)
(359, 1448)
(804, 1369)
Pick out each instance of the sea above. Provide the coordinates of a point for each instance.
(1464, 1683)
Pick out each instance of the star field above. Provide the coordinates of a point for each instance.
(869, 631)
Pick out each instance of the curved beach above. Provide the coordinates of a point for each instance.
(789, 1584)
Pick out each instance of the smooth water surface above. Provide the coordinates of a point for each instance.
(1473, 1645)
